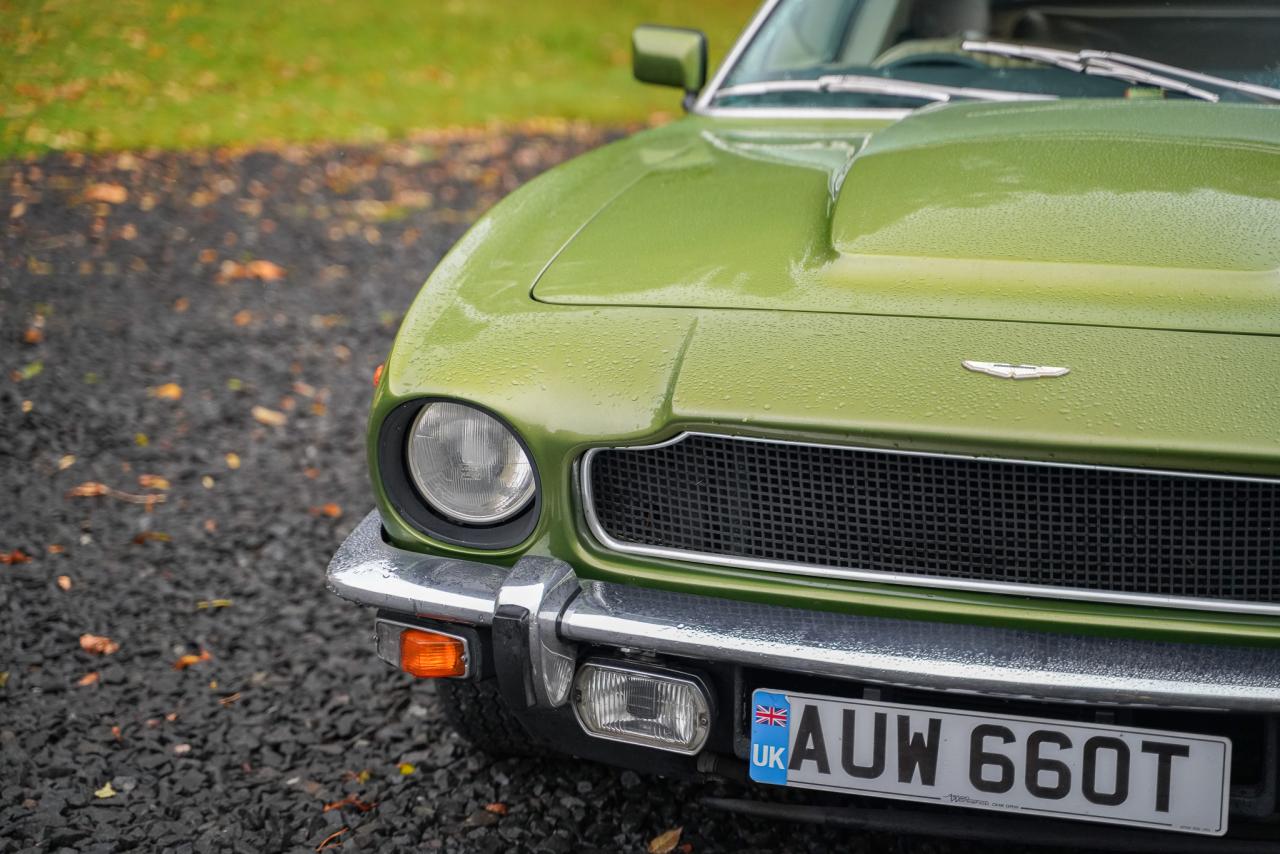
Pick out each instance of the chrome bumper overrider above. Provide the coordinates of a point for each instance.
(560, 612)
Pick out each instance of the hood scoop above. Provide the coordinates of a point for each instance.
(1161, 215)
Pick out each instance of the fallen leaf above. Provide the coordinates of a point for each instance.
(34, 333)
(15, 556)
(233, 461)
(152, 481)
(181, 304)
(4, 678)
(27, 371)
(364, 775)
(205, 604)
(151, 536)
(66, 461)
(266, 271)
(665, 843)
(325, 843)
(112, 194)
(243, 317)
(64, 582)
(333, 511)
(270, 417)
(88, 679)
(141, 440)
(350, 800)
(187, 660)
(228, 700)
(105, 792)
(406, 769)
(182, 749)
(27, 406)
(98, 644)
(497, 808)
(210, 526)
(88, 489)
(168, 391)
(54, 549)
(171, 717)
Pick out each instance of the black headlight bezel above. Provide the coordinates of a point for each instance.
(397, 482)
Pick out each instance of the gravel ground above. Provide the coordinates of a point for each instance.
(187, 340)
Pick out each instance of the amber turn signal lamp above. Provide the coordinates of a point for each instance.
(431, 654)
(377, 373)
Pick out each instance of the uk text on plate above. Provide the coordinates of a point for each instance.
(1089, 772)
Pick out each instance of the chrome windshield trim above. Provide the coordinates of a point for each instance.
(602, 536)
(874, 113)
(731, 59)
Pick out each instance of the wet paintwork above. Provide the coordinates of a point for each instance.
(765, 201)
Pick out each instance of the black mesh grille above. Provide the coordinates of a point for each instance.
(1090, 529)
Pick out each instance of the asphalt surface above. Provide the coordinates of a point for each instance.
(187, 342)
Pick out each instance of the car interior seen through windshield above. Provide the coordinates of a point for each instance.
(898, 53)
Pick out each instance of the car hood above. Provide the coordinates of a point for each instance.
(1162, 215)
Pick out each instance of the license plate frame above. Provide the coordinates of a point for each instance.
(1078, 773)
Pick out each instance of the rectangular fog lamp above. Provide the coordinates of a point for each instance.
(661, 709)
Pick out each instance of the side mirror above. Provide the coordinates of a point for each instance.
(669, 56)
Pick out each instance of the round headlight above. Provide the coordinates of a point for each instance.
(468, 465)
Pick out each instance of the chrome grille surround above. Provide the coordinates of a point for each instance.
(898, 559)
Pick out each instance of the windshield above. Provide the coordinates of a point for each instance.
(1083, 49)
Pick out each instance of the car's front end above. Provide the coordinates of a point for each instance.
(930, 456)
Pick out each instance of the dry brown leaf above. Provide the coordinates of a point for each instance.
(112, 194)
(15, 556)
(666, 842)
(265, 271)
(152, 481)
(66, 461)
(168, 391)
(54, 549)
(327, 842)
(187, 660)
(88, 679)
(64, 582)
(350, 800)
(98, 644)
(497, 808)
(243, 317)
(181, 304)
(151, 536)
(270, 417)
(88, 489)
(330, 509)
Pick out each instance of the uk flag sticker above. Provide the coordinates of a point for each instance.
(770, 734)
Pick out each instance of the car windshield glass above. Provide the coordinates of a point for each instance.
(1208, 50)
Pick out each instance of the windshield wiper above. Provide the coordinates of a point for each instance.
(867, 85)
(1122, 66)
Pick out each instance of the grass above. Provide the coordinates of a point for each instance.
(118, 74)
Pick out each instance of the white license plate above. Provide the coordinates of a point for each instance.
(1088, 772)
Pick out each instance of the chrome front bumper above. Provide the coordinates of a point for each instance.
(556, 612)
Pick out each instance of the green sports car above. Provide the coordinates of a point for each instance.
(900, 425)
